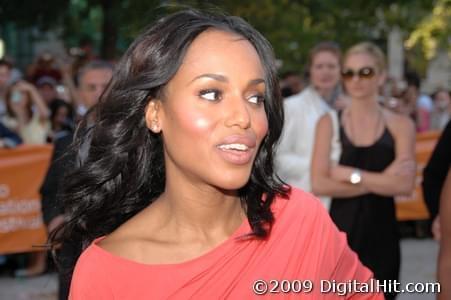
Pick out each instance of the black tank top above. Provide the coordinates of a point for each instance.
(369, 220)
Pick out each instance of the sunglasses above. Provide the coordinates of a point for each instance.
(363, 73)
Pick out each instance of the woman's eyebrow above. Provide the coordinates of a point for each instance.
(217, 77)
(256, 81)
(223, 78)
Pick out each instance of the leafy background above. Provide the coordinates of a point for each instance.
(292, 27)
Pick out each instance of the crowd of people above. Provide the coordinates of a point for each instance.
(352, 144)
(45, 102)
(349, 138)
(41, 107)
(139, 193)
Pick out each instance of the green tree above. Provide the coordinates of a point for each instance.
(294, 27)
(44, 14)
(434, 30)
(291, 26)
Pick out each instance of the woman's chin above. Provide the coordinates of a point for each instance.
(231, 183)
(360, 95)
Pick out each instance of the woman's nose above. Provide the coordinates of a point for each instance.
(238, 113)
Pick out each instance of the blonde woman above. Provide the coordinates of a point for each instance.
(376, 164)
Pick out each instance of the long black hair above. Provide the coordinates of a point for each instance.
(121, 167)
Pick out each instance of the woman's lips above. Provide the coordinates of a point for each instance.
(238, 157)
(237, 149)
(246, 139)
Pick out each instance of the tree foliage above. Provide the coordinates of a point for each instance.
(434, 30)
(292, 26)
(43, 14)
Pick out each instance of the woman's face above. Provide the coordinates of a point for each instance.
(361, 76)
(19, 102)
(212, 115)
(325, 70)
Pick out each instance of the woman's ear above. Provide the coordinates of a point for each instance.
(153, 119)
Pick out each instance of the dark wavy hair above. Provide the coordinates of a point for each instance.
(121, 169)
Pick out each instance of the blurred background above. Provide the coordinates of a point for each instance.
(415, 33)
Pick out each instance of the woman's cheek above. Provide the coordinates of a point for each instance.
(261, 126)
(201, 122)
(195, 121)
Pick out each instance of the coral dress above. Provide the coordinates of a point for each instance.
(304, 245)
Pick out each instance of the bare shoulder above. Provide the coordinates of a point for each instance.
(119, 242)
(398, 124)
(133, 239)
(122, 242)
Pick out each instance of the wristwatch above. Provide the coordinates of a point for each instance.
(356, 177)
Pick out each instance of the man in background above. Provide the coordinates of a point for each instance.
(91, 82)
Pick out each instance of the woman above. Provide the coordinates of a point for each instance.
(176, 195)
(28, 114)
(302, 112)
(376, 163)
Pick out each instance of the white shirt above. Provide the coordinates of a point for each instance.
(424, 101)
(294, 153)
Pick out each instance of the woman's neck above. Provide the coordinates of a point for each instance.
(202, 212)
(365, 106)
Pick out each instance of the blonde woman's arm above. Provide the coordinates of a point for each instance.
(399, 177)
(323, 184)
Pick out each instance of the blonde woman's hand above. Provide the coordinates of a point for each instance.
(405, 167)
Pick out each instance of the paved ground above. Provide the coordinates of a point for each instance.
(38, 288)
(418, 265)
(419, 262)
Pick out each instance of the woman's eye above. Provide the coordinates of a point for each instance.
(256, 99)
(211, 95)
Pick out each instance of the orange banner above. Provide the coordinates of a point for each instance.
(414, 207)
(22, 172)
